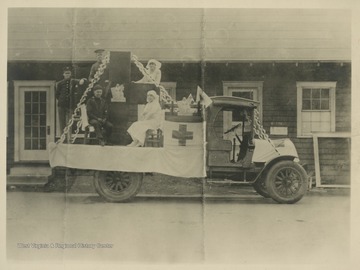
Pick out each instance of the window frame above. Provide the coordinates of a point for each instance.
(228, 85)
(331, 85)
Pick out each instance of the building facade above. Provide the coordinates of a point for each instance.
(296, 63)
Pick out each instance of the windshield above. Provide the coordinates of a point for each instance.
(230, 122)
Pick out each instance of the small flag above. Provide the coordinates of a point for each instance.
(203, 97)
(190, 99)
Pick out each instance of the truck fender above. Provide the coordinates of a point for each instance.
(270, 163)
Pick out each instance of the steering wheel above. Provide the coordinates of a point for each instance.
(233, 128)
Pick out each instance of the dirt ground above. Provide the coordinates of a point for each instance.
(153, 184)
(169, 185)
(158, 184)
(242, 229)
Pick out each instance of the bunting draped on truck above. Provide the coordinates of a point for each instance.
(175, 161)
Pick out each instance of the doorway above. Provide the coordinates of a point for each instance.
(34, 119)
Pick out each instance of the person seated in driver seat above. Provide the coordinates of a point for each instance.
(151, 120)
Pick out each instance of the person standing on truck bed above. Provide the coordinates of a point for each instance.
(104, 78)
(66, 93)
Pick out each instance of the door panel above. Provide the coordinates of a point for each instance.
(34, 120)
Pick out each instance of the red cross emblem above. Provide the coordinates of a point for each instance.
(182, 135)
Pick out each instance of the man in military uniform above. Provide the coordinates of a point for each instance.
(66, 93)
(104, 78)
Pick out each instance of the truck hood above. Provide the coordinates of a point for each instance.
(264, 151)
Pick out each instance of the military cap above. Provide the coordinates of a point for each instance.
(99, 50)
(66, 69)
(97, 87)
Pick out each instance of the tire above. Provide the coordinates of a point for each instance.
(286, 182)
(117, 186)
(70, 178)
(260, 187)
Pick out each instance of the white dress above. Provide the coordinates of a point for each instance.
(153, 76)
(151, 120)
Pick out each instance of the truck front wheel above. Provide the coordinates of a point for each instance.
(116, 186)
(286, 182)
(260, 187)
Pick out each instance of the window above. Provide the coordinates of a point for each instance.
(315, 107)
(243, 89)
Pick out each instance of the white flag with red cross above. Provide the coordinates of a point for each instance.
(183, 134)
(184, 144)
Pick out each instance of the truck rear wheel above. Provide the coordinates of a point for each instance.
(286, 182)
(117, 186)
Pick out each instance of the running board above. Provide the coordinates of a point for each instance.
(228, 181)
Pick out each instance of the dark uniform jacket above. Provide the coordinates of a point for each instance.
(68, 93)
(103, 78)
(96, 108)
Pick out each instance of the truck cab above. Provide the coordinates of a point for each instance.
(271, 166)
(221, 152)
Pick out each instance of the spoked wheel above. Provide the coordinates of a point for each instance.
(286, 182)
(260, 187)
(117, 186)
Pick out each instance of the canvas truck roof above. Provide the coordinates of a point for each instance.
(229, 101)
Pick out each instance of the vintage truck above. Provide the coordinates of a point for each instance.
(191, 142)
(194, 145)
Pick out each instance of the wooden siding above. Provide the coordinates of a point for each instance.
(182, 35)
(279, 94)
(334, 157)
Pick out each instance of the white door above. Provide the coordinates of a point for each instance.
(34, 119)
